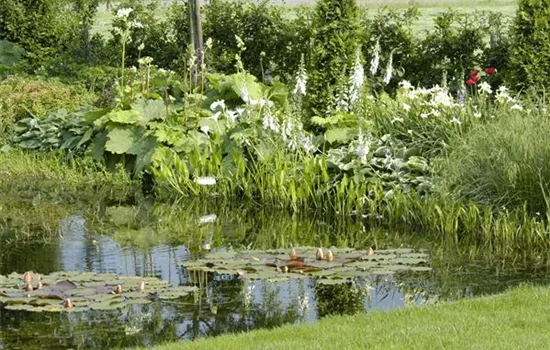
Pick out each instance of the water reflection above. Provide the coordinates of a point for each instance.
(153, 239)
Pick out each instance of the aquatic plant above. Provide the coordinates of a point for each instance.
(310, 262)
(81, 291)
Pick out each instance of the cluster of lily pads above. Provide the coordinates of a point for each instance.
(81, 291)
(331, 266)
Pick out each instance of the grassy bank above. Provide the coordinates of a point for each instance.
(52, 175)
(517, 319)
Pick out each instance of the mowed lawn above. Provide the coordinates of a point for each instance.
(518, 319)
(428, 9)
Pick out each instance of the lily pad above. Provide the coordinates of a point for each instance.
(85, 290)
(277, 264)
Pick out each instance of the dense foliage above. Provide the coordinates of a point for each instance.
(531, 44)
(342, 113)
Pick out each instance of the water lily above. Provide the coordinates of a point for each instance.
(320, 255)
(206, 181)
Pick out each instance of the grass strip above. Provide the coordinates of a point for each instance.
(517, 319)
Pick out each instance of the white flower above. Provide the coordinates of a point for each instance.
(240, 111)
(141, 46)
(301, 80)
(375, 59)
(517, 107)
(216, 115)
(270, 121)
(405, 84)
(232, 116)
(216, 104)
(502, 95)
(406, 107)
(205, 180)
(389, 70)
(485, 88)
(455, 120)
(123, 12)
(306, 143)
(136, 24)
(477, 114)
(357, 78)
(435, 112)
(205, 129)
(145, 60)
(424, 115)
(208, 219)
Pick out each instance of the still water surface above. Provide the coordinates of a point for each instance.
(153, 239)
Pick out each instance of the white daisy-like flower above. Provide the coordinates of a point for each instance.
(455, 120)
(406, 107)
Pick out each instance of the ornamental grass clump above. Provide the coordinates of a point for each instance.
(504, 163)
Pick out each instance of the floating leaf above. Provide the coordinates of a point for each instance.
(275, 264)
(86, 290)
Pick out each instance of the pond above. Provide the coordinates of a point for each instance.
(145, 238)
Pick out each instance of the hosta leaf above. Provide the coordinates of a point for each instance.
(98, 145)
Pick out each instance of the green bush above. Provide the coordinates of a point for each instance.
(530, 56)
(20, 95)
(40, 27)
(336, 40)
(393, 31)
(273, 41)
(503, 163)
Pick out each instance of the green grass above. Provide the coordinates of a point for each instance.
(517, 319)
(50, 174)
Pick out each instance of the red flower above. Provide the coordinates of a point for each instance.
(474, 73)
(470, 82)
(475, 78)
(490, 71)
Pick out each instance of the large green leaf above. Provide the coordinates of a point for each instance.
(149, 110)
(340, 135)
(125, 117)
(124, 139)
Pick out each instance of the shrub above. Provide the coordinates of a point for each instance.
(40, 27)
(393, 32)
(530, 56)
(503, 163)
(336, 40)
(21, 95)
(273, 41)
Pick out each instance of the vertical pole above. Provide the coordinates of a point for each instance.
(196, 36)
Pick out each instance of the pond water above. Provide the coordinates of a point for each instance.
(154, 239)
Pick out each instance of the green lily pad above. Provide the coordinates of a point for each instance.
(275, 264)
(86, 290)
